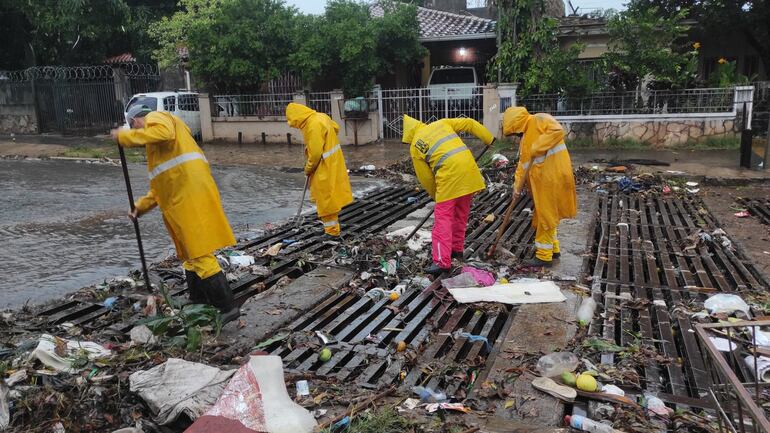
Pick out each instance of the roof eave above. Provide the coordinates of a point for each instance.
(476, 36)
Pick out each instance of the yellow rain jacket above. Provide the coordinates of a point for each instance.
(324, 162)
(444, 166)
(181, 185)
(550, 179)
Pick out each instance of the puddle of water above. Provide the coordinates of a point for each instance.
(63, 224)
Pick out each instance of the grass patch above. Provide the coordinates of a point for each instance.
(611, 143)
(710, 143)
(98, 152)
(386, 420)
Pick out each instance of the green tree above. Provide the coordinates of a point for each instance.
(172, 33)
(749, 18)
(645, 43)
(243, 45)
(529, 52)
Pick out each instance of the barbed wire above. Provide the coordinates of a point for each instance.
(64, 73)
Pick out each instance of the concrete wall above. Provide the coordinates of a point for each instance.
(17, 109)
(656, 133)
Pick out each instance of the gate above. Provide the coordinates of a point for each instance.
(428, 105)
(85, 99)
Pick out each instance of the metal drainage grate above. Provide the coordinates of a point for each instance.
(758, 208)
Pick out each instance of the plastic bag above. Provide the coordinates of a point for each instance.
(466, 279)
(726, 303)
(554, 364)
(483, 278)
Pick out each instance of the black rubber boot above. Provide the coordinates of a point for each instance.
(457, 255)
(436, 270)
(556, 255)
(218, 292)
(193, 288)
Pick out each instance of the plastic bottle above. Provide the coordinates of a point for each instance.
(586, 311)
(554, 364)
(427, 395)
(586, 424)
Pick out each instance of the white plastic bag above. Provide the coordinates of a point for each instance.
(554, 364)
(726, 303)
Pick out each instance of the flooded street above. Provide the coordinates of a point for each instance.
(63, 224)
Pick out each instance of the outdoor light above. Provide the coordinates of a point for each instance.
(462, 52)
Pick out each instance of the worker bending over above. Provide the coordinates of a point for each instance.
(550, 178)
(182, 186)
(449, 174)
(324, 164)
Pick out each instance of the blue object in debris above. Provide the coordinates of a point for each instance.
(627, 185)
(473, 338)
(110, 302)
(288, 241)
(342, 424)
(411, 199)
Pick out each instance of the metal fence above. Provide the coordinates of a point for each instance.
(259, 105)
(737, 359)
(646, 102)
(320, 101)
(428, 105)
(83, 99)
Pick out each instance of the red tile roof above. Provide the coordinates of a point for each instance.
(121, 58)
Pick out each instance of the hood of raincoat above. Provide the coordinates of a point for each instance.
(297, 114)
(515, 120)
(411, 125)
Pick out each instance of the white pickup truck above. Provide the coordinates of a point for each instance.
(452, 83)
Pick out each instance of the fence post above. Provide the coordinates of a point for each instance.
(338, 98)
(381, 116)
(446, 102)
(419, 102)
(491, 110)
(744, 99)
(207, 130)
(299, 98)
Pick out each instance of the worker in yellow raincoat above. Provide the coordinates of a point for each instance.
(447, 170)
(182, 187)
(324, 164)
(550, 179)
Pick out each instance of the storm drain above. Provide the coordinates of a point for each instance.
(758, 208)
(653, 261)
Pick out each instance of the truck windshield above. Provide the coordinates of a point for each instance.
(149, 101)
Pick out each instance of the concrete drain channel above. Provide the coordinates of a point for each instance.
(651, 258)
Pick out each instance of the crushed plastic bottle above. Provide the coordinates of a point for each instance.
(427, 395)
(582, 423)
(554, 364)
(586, 311)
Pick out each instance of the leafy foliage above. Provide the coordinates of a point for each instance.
(185, 326)
(644, 42)
(726, 75)
(530, 54)
(172, 33)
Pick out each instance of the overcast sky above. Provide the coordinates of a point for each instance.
(317, 6)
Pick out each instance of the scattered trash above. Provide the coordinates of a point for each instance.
(743, 214)
(365, 276)
(409, 404)
(341, 425)
(137, 429)
(142, 335)
(676, 172)
(482, 277)
(692, 190)
(110, 302)
(692, 184)
(666, 190)
(548, 386)
(411, 199)
(67, 355)
(617, 169)
(433, 407)
(58, 428)
(465, 279)
(303, 388)
(763, 367)
(418, 241)
(489, 218)
(723, 344)
(586, 382)
(256, 398)
(499, 161)
(627, 185)
(582, 423)
(612, 389)
(325, 354)
(726, 303)
(390, 267)
(427, 395)
(243, 260)
(586, 311)
(401, 346)
(179, 387)
(473, 338)
(518, 292)
(273, 250)
(16, 377)
(656, 405)
(554, 364)
(369, 167)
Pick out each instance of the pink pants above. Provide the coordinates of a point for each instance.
(450, 222)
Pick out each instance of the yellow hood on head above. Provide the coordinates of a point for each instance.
(515, 120)
(411, 125)
(297, 114)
